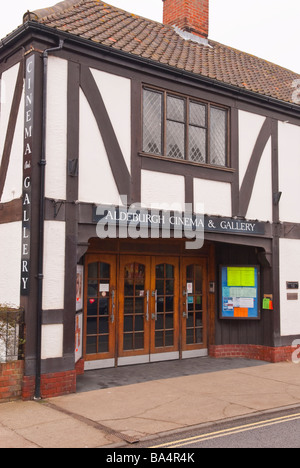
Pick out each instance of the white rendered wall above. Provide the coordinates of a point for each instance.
(214, 196)
(56, 128)
(54, 265)
(261, 202)
(289, 170)
(10, 271)
(96, 181)
(52, 341)
(289, 271)
(116, 94)
(162, 191)
(13, 182)
(7, 89)
(249, 128)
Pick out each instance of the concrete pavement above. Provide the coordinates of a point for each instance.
(190, 394)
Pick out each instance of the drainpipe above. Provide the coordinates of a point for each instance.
(40, 275)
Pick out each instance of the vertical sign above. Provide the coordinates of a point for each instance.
(27, 164)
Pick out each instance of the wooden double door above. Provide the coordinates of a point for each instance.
(143, 309)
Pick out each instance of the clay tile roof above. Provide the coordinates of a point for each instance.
(104, 24)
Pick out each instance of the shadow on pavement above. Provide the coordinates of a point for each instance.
(121, 376)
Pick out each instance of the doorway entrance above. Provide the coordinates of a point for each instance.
(141, 308)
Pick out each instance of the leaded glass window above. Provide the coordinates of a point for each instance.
(178, 127)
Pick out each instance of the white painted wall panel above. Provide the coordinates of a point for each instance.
(96, 181)
(14, 177)
(215, 197)
(162, 191)
(52, 341)
(289, 271)
(56, 139)
(54, 265)
(249, 128)
(10, 271)
(116, 94)
(289, 170)
(7, 89)
(261, 202)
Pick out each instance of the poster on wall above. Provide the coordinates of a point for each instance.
(78, 336)
(239, 292)
(79, 288)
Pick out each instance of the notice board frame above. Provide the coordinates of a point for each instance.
(255, 312)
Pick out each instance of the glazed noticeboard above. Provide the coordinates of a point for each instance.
(239, 292)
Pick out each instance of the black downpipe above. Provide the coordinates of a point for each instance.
(40, 275)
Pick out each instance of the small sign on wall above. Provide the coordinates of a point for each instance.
(292, 285)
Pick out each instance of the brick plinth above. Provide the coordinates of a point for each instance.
(52, 385)
(79, 366)
(260, 353)
(11, 375)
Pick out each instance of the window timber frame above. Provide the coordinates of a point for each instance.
(164, 119)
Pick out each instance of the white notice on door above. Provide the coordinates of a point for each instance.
(104, 287)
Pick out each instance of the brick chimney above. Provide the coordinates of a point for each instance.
(189, 15)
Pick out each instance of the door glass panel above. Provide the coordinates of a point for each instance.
(92, 306)
(134, 306)
(139, 305)
(103, 344)
(139, 323)
(92, 326)
(91, 344)
(104, 270)
(103, 324)
(170, 321)
(128, 341)
(98, 307)
(160, 304)
(169, 338)
(128, 305)
(160, 287)
(169, 304)
(93, 270)
(128, 324)
(139, 341)
(159, 339)
(194, 289)
(93, 288)
(103, 306)
(159, 324)
(164, 325)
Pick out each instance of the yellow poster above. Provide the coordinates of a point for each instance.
(241, 276)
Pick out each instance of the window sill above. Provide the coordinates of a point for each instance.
(185, 162)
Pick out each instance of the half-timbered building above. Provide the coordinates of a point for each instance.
(149, 192)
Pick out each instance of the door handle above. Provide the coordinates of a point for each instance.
(154, 294)
(147, 306)
(186, 313)
(112, 317)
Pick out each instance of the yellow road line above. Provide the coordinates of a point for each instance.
(230, 431)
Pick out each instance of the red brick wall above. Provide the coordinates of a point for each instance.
(261, 353)
(189, 15)
(11, 376)
(52, 385)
